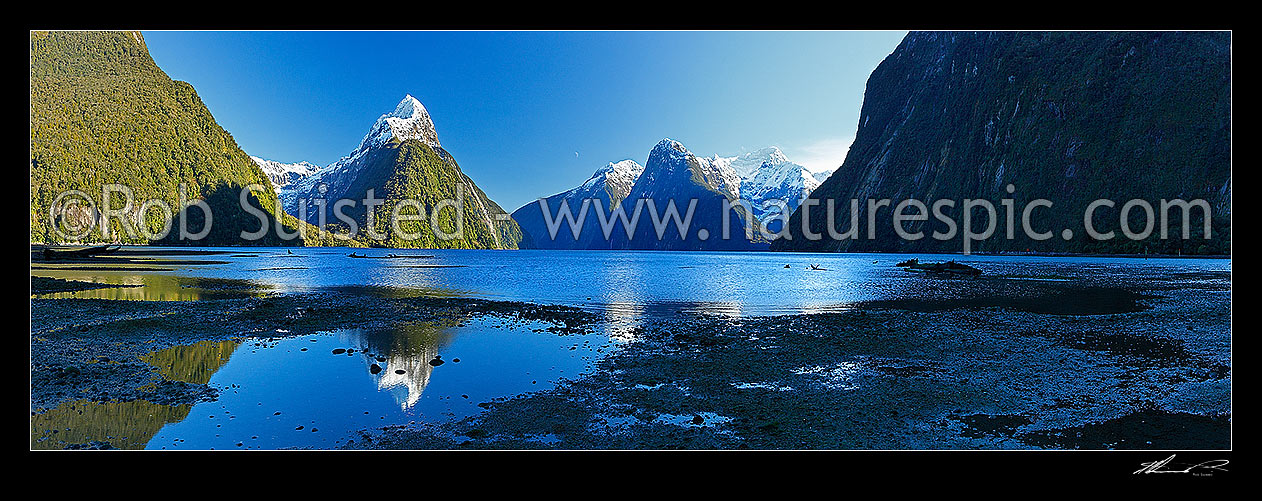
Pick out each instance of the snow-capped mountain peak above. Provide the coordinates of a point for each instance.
(747, 164)
(669, 148)
(674, 156)
(409, 120)
(785, 174)
(617, 177)
(768, 174)
(408, 107)
(283, 174)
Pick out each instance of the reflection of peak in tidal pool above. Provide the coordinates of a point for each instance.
(124, 425)
(409, 348)
(411, 338)
(194, 363)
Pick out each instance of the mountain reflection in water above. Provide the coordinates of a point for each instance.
(316, 390)
(408, 348)
(131, 424)
(194, 363)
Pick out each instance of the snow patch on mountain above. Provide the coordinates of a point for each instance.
(768, 174)
(756, 177)
(671, 164)
(748, 164)
(409, 120)
(616, 178)
(282, 174)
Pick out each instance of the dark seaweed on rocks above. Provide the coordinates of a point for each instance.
(984, 425)
(1069, 301)
(1143, 429)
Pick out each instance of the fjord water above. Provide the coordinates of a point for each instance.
(639, 282)
(281, 391)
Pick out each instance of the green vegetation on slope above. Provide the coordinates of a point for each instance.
(103, 113)
(412, 170)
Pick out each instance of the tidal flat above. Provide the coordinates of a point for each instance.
(1132, 362)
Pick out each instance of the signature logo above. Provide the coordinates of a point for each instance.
(1167, 465)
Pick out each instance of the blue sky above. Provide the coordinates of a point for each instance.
(515, 107)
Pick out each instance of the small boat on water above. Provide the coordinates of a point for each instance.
(50, 254)
(389, 256)
(817, 267)
(949, 267)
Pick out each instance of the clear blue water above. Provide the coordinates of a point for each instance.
(271, 387)
(732, 283)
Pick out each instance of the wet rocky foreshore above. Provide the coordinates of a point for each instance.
(1010, 365)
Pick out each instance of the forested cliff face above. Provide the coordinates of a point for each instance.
(416, 171)
(103, 113)
(1067, 117)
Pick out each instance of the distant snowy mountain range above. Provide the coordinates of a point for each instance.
(283, 174)
(674, 173)
(757, 177)
(767, 174)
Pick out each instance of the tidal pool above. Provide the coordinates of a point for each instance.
(315, 390)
